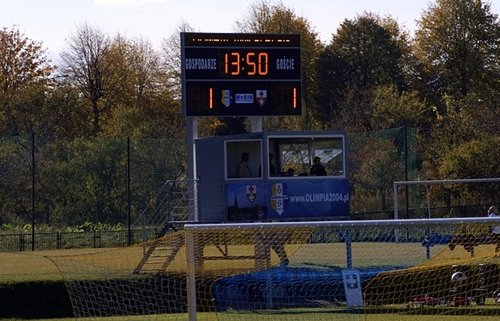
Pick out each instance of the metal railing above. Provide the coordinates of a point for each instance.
(173, 204)
(19, 242)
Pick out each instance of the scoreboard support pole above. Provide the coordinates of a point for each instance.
(256, 124)
(191, 136)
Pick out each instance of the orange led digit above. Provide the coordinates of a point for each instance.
(211, 98)
(236, 63)
(226, 68)
(294, 97)
(263, 59)
(251, 64)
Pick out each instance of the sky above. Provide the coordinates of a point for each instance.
(52, 22)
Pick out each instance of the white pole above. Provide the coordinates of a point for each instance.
(191, 275)
(348, 224)
(191, 136)
(395, 197)
(256, 124)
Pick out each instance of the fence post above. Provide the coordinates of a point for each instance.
(348, 249)
(32, 190)
(129, 237)
(21, 242)
(58, 240)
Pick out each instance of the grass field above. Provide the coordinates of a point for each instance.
(34, 266)
(40, 266)
(284, 317)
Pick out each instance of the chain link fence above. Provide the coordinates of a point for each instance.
(103, 180)
(118, 180)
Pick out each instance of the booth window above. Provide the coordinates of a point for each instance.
(296, 155)
(243, 159)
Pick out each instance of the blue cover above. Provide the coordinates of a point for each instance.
(286, 287)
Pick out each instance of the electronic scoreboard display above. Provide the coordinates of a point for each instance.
(238, 74)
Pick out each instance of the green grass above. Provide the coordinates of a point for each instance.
(285, 317)
(33, 266)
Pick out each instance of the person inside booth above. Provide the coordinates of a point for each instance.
(243, 168)
(317, 169)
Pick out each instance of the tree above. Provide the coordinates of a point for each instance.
(332, 77)
(456, 49)
(145, 72)
(364, 53)
(88, 67)
(381, 166)
(372, 50)
(87, 181)
(473, 159)
(61, 115)
(171, 57)
(394, 109)
(143, 103)
(24, 75)
(457, 44)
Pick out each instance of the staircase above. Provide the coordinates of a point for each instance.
(160, 254)
(171, 205)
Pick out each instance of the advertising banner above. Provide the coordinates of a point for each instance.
(308, 198)
(287, 199)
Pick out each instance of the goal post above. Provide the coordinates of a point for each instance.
(427, 183)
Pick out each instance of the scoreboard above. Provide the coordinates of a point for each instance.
(238, 74)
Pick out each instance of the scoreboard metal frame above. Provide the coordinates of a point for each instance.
(239, 74)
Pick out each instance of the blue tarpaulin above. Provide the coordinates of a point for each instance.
(287, 287)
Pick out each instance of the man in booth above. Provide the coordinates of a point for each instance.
(317, 168)
(243, 168)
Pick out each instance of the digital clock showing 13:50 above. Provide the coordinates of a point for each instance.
(241, 74)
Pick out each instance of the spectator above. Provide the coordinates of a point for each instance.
(495, 230)
(243, 168)
(317, 168)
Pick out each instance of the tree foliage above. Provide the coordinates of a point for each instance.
(143, 103)
(392, 108)
(473, 159)
(457, 44)
(370, 76)
(24, 75)
(88, 65)
(22, 62)
(381, 166)
(365, 53)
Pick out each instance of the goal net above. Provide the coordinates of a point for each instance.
(435, 269)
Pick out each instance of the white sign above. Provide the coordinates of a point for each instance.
(352, 288)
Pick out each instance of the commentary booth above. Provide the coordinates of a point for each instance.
(279, 184)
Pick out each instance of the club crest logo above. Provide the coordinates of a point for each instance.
(279, 197)
(261, 96)
(251, 193)
(227, 98)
